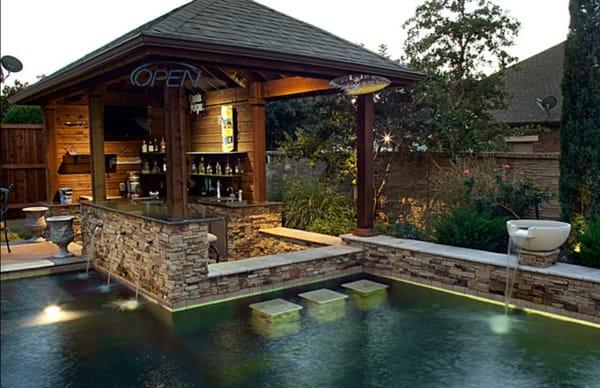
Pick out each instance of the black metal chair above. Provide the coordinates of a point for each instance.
(4, 192)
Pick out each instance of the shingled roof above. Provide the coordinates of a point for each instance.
(244, 24)
(536, 77)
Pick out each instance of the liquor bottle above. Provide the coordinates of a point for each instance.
(150, 146)
(156, 145)
(202, 167)
(146, 167)
(144, 147)
(194, 168)
(163, 145)
(239, 168)
(209, 169)
(218, 170)
(164, 165)
(155, 168)
(227, 168)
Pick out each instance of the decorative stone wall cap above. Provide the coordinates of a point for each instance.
(302, 235)
(153, 219)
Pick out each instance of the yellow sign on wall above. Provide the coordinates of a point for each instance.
(227, 130)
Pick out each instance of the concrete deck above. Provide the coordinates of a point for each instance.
(35, 259)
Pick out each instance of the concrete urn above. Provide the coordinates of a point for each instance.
(35, 221)
(61, 233)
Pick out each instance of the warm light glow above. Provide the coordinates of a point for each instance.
(577, 248)
(52, 311)
(387, 138)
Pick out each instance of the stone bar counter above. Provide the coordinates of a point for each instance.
(243, 224)
(139, 245)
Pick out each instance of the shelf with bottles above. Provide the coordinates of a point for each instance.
(154, 147)
(217, 167)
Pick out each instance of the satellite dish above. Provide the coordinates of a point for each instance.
(546, 103)
(12, 64)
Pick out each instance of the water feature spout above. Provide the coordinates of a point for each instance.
(117, 240)
(147, 246)
(89, 256)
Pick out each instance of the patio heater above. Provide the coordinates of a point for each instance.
(11, 64)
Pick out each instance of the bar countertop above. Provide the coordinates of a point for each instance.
(224, 202)
(149, 209)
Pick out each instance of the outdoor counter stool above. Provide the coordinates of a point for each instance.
(212, 239)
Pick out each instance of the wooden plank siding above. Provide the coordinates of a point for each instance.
(205, 131)
(23, 164)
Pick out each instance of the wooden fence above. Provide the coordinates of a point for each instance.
(23, 164)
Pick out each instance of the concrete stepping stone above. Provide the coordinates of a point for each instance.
(322, 296)
(365, 287)
(276, 308)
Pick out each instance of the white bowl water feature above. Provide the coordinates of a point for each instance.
(538, 235)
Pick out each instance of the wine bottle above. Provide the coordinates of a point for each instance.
(144, 147)
(163, 145)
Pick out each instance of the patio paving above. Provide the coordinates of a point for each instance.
(34, 259)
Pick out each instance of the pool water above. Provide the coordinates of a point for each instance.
(406, 336)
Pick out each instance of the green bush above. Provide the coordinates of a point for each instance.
(23, 114)
(590, 244)
(470, 229)
(317, 207)
(402, 229)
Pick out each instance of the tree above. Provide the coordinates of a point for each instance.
(456, 42)
(7, 92)
(580, 127)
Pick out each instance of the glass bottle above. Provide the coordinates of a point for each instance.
(227, 168)
(202, 167)
(163, 145)
(239, 168)
(164, 165)
(209, 169)
(144, 147)
(150, 146)
(146, 167)
(218, 168)
(194, 168)
(156, 149)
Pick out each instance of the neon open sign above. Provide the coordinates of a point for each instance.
(173, 74)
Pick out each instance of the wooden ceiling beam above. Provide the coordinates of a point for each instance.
(294, 86)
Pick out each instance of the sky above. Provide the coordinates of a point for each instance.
(47, 35)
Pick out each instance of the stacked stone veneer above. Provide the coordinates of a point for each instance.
(576, 294)
(243, 228)
(169, 271)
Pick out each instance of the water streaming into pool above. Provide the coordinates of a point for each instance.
(409, 336)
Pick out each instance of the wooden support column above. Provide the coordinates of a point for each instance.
(50, 142)
(96, 128)
(365, 169)
(259, 137)
(176, 137)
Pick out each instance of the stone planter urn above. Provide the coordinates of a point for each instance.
(35, 220)
(61, 234)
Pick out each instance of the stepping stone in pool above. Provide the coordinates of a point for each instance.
(365, 287)
(322, 296)
(276, 308)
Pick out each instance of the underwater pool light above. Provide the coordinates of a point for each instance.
(52, 311)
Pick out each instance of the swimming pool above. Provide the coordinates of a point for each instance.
(405, 336)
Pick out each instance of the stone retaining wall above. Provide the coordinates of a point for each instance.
(574, 294)
(170, 270)
(243, 226)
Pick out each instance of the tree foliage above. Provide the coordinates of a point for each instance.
(24, 114)
(7, 92)
(580, 127)
(456, 42)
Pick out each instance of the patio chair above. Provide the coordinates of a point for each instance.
(213, 252)
(4, 192)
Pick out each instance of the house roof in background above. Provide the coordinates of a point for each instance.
(535, 77)
(246, 24)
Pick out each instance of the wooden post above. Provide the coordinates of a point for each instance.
(96, 128)
(50, 143)
(364, 161)
(176, 137)
(259, 135)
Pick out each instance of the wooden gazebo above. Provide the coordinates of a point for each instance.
(247, 55)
